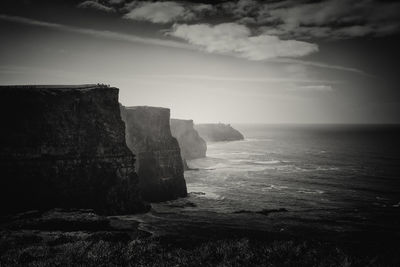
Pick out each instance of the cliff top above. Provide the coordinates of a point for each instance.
(181, 120)
(215, 132)
(51, 87)
(215, 124)
(147, 107)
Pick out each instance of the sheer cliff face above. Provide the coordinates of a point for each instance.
(218, 132)
(160, 167)
(65, 147)
(191, 144)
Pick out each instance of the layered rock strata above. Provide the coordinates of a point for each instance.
(64, 146)
(159, 163)
(191, 144)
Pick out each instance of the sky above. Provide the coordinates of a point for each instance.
(246, 61)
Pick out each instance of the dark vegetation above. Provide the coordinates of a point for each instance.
(83, 238)
(31, 250)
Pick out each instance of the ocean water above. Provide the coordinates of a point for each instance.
(333, 179)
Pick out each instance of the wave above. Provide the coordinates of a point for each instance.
(258, 162)
(267, 162)
(207, 163)
(262, 212)
(203, 192)
(256, 140)
(197, 193)
(308, 191)
(228, 154)
(297, 169)
(217, 166)
(319, 168)
(275, 187)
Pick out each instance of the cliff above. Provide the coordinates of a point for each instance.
(215, 132)
(64, 146)
(191, 144)
(160, 167)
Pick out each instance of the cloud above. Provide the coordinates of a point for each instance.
(311, 88)
(288, 19)
(320, 65)
(95, 5)
(97, 33)
(166, 12)
(160, 12)
(151, 41)
(202, 8)
(332, 19)
(116, 2)
(237, 79)
(241, 8)
(236, 39)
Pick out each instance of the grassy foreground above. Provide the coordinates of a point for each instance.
(83, 238)
(30, 250)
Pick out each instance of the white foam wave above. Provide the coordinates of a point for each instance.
(381, 198)
(208, 163)
(228, 154)
(275, 187)
(379, 205)
(267, 162)
(308, 191)
(217, 166)
(296, 169)
(327, 168)
(257, 140)
(206, 192)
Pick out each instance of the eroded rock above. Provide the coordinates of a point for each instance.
(160, 167)
(191, 144)
(64, 146)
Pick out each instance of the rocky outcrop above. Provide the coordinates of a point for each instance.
(191, 144)
(64, 146)
(216, 132)
(159, 163)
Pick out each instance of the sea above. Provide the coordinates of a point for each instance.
(338, 181)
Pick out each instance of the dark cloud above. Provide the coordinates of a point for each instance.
(253, 29)
(259, 30)
(333, 19)
(301, 19)
(153, 11)
(95, 5)
(166, 11)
